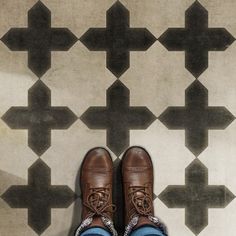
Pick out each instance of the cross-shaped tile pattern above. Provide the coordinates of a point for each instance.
(118, 117)
(39, 196)
(39, 39)
(196, 39)
(196, 118)
(75, 80)
(118, 39)
(196, 196)
(39, 118)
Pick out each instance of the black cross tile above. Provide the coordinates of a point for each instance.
(39, 118)
(196, 196)
(118, 117)
(196, 118)
(196, 39)
(39, 39)
(39, 196)
(118, 39)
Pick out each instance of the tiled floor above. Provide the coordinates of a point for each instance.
(128, 81)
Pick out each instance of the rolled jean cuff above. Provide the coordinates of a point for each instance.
(96, 231)
(147, 231)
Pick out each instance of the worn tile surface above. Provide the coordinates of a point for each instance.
(77, 74)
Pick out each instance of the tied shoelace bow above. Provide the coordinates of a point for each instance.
(141, 201)
(98, 202)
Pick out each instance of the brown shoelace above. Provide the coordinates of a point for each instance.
(98, 202)
(141, 201)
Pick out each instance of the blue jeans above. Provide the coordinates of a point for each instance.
(143, 231)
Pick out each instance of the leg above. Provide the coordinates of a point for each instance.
(96, 231)
(147, 231)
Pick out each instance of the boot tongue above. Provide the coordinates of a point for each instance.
(97, 222)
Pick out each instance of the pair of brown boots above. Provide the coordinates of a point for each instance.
(96, 188)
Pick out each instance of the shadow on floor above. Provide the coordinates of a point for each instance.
(76, 218)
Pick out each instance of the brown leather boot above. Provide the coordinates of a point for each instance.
(137, 172)
(96, 189)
